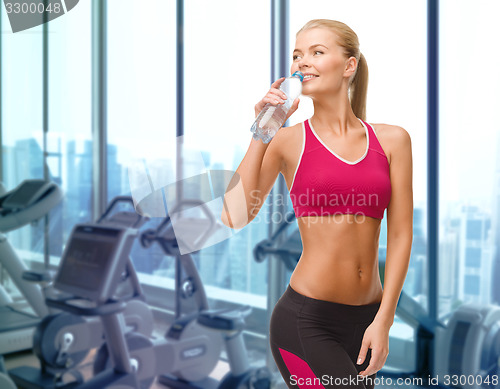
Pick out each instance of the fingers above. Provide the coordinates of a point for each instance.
(293, 108)
(274, 96)
(377, 361)
(362, 353)
(277, 96)
(276, 84)
(270, 98)
(295, 105)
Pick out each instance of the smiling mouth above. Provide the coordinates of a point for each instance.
(309, 77)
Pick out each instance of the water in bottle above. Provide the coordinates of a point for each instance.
(272, 117)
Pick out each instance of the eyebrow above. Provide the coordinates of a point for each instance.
(317, 44)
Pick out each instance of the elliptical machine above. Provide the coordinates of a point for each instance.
(90, 271)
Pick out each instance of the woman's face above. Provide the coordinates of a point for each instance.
(322, 62)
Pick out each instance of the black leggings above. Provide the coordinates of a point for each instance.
(316, 343)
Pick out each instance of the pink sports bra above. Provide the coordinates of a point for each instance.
(326, 184)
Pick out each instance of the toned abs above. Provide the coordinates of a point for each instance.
(339, 261)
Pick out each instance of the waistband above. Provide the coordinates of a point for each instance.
(332, 310)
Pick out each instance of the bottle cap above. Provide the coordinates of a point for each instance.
(299, 75)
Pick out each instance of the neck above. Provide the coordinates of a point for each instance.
(334, 114)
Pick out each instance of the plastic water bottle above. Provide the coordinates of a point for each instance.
(272, 117)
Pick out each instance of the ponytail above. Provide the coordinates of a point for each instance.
(358, 88)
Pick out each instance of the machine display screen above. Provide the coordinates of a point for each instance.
(86, 262)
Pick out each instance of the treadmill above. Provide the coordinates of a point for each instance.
(28, 202)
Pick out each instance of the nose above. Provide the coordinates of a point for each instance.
(303, 63)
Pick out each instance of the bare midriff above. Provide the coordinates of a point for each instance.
(339, 261)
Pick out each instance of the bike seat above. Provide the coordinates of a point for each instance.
(225, 319)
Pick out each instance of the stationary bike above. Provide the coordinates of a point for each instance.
(190, 349)
(226, 322)
(61, 341)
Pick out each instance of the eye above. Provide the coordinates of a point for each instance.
(295, 57)
(317, 51)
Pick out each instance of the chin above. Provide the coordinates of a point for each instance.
(310, 94)
(307, 91)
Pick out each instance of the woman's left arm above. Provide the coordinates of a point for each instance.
(399, 241)
(399, 224)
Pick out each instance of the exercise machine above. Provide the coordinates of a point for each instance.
(28, 202)
(228, 322)
(289, 252)
(63, 340)
(93, 263)
(467, 347)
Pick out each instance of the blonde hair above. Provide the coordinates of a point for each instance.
(348, 40)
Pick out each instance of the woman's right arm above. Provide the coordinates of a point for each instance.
(257, 172)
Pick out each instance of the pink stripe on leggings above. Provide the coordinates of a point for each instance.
(301, 371)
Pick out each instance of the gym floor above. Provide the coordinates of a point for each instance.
(27, 358)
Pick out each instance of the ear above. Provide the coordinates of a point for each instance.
(350, 67)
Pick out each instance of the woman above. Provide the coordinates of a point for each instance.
(331, 326)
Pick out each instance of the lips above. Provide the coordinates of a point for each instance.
(308, 77)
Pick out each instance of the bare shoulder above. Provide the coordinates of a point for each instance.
(393, 139)
(289, 134)
(391, 133)
(286, 141)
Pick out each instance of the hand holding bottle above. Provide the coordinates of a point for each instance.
(277, 106)
(275, 96)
